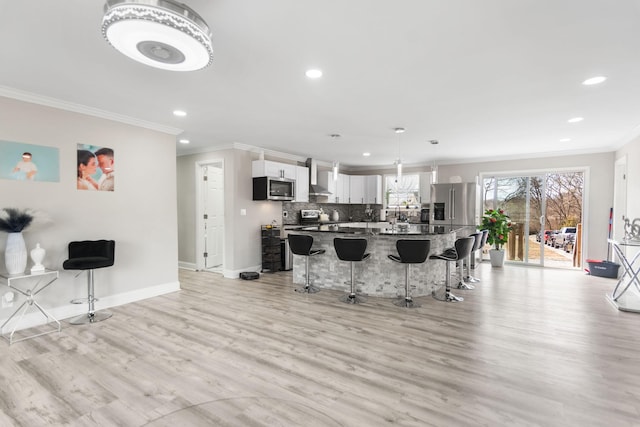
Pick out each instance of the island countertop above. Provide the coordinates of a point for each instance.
(376, 228)
(378, 275)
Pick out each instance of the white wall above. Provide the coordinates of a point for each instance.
(140, 215)
(632, 153)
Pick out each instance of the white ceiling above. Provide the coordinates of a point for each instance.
(488, 79)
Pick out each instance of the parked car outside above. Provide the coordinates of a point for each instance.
(562, 237)
(552, 237)
(547, 233)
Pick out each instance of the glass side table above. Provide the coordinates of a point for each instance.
(623, 295)
(29, 285)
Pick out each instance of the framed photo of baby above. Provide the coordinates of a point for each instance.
(95, 168)
(28, 162)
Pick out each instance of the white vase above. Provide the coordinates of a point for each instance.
(497, 257)
(335, 216)
(37, 255)
(15, 254)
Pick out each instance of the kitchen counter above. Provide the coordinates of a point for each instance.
(374, 228)
(378, 275)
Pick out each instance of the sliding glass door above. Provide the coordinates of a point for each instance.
(538, 204)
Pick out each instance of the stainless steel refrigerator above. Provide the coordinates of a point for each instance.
(455, 205)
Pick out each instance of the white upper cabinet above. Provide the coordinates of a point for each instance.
(373, 189)
(339, 188)
(357, 184)
(273, 169)
(302, 184)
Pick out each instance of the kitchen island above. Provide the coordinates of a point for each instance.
(378, 275)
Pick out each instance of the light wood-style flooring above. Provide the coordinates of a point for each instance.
(527, 347)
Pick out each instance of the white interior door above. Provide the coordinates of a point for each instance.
(213, 216)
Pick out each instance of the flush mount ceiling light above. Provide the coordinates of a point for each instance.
(575, 120)
(160, 33)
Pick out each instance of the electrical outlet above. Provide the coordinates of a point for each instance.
(7, 299)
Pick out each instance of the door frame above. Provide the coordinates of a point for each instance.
(199, 212)
(537, 172)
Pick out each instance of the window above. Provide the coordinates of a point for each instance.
(402, 194)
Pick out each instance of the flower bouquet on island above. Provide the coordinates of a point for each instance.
(498, 224)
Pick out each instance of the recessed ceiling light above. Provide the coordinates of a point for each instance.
(565, 140)
(335, 135)
(399, 130)
(184, 141)
(594, 80)
(179, 113)
(575, 120)
(366, 154)
(434, 142)
(314, 73)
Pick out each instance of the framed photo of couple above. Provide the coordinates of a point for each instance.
(95, 168)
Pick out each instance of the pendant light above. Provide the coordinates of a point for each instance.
(399, 131)
(163, 34)
(434, 166)
(336, 165)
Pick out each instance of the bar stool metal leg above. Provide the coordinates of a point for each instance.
(352, 298)
(462, 284)
(91, 316)
(407, 301)
(444, 292)
(308, 288)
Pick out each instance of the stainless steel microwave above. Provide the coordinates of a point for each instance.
(270, 188)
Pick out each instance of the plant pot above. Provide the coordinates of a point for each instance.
(15, 254)
(497, 257)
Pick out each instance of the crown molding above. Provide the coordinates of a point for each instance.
(33, 98)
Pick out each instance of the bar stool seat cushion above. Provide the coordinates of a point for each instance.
(411, 251)
(300, 244)
(87, 263)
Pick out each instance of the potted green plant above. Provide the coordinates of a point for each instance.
(498, 223)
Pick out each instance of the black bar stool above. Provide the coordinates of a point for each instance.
(467, 279)
(300, 244)
(89, 255)
(352, 250)
(481, 240)
(409, 252)
(461, 250)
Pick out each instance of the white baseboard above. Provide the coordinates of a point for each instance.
(35, 318)
(187, 265)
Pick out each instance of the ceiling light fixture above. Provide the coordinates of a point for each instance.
(160, 33)
(594, 80)
(367, 154)
(313, 74)
(184, 141)
(565, 140)
(434, 142)
(179, 113)
(575, 120)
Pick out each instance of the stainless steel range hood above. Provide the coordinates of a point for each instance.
(314, 188)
